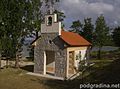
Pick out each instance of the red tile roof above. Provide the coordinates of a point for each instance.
(73, 39)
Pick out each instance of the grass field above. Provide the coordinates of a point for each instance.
(18, 79)
(106, 70)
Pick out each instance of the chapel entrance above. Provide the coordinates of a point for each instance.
(50, 62)
(71, 63)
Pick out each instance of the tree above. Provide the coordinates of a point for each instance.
(3, 32)
(18, 19)
(88, 28)
(13, 29)
(0, 53)
(36, 17)
(0, 43)
(50, 5)
(60, 14)
(101, 34)
(76, 27)
(116, 36)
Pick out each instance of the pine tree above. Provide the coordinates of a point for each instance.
(88, 29)
(116, 36)
(76, 27)
(101, 34)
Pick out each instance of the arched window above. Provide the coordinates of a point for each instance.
(49, 20)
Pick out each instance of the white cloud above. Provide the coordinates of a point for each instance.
(100, 8)
(81, 6)
(79, 9)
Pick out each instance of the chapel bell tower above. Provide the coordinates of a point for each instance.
(51, 23)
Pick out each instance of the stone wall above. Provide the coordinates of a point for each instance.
(39, 60)
(50, 42)
(61, 63)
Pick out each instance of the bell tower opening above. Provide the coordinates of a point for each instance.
(49, 22)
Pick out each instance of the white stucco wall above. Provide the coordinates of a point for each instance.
(76, 50)
(83, 53)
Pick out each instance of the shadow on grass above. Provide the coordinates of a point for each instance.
(28, 68)
(109, 74)
(55, 84)
(106, 74)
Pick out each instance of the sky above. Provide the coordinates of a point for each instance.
(80, 9)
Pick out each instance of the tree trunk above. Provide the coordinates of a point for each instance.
(88, 55)
(7, 62)
(37, 34)
(0, 61)
(99, 53)
(17, 61)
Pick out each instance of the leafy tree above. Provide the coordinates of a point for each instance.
(101, 34)
(12, 13)
(76, 27)
(85, 29)
(88, 28)
(116, 36)
(3, 43)
(60, 14)
(18, 18)
(50, 4)
(0, 43)
(35, 17)
(0, 53)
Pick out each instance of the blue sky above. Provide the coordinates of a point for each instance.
(80, 9)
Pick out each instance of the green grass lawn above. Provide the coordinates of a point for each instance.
(18, 79)
(106, 70)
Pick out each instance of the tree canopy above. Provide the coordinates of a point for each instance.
(76, 27)
(18, 19)
(101, 34)
(98, 34)
(88, 29)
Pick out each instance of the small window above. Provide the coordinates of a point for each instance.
(50, 41)
(49, 21)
